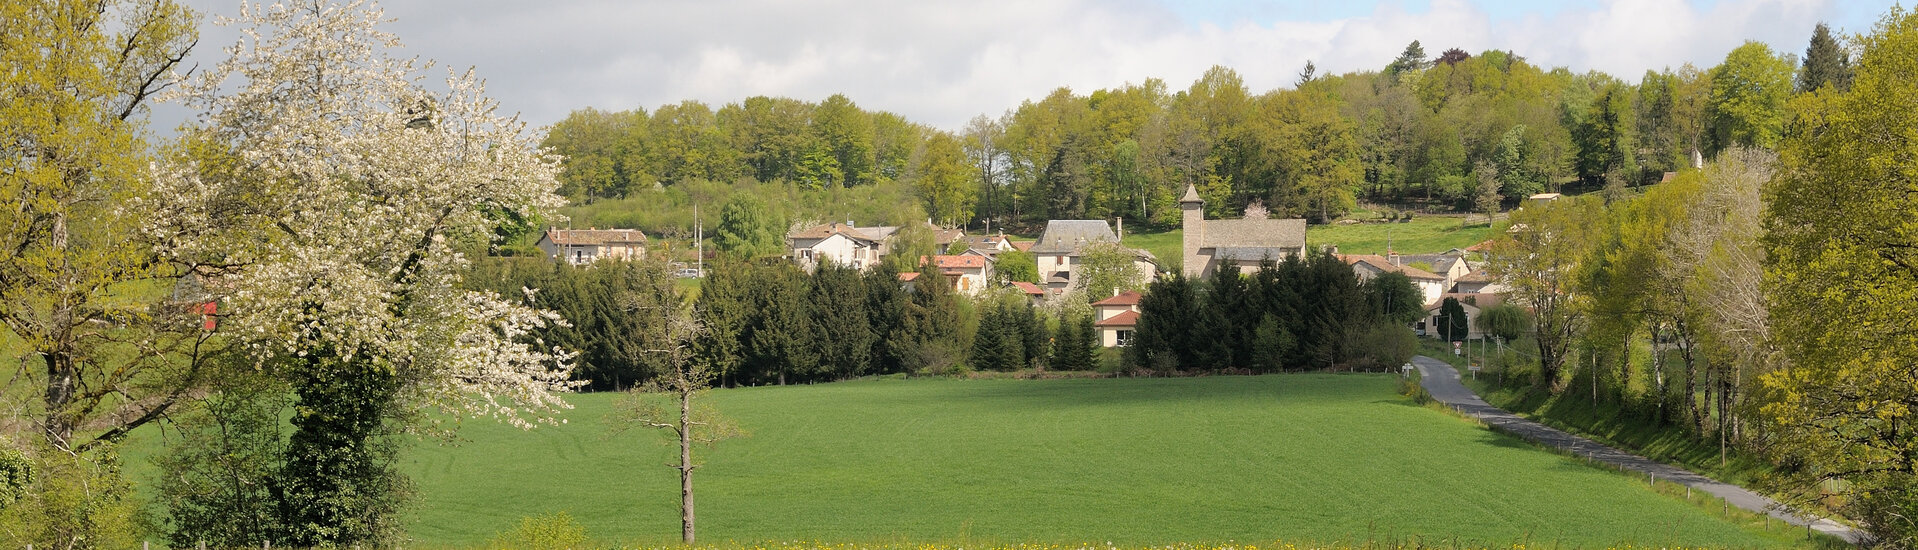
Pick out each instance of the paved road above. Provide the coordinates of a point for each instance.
(1442, 381)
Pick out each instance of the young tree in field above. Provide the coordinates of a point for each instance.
(690, 423)
(1539, 256)
(361, 188)
(1842, 270)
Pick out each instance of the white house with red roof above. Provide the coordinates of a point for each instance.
(1116, 318)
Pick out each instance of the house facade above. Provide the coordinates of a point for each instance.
(967, 273)
(847, 244)
(1367, 266)
(1117, 318)
(583, 246)
(1472, 303)
(1060, 249)
(1212, 244)
(838, 243)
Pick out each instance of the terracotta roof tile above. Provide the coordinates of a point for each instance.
(1123, 319)
(1028, 288)
(1127, 298)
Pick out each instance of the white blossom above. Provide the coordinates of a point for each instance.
(341, 184)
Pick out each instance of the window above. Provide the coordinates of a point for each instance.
(1125, 338)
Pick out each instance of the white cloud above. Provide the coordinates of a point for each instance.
(944, 62)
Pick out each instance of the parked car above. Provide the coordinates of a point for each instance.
(688, 273)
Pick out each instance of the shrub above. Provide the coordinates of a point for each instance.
(558, 531)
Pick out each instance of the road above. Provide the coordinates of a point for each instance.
(1442, 382)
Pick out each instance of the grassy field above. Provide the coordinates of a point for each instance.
(1304, 458)
(1423, 235)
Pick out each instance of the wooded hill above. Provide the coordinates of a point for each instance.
(1452, 131)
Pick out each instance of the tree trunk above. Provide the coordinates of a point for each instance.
(60, 387)
(1690, 399)
(686, 464)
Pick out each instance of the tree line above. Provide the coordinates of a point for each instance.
(1757, 303)
(1308, 312)
(1456, 130)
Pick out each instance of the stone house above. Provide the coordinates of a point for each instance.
(1367, 266)
(582, 246)
(1211, 244)
(967, 273)
(1060, 248)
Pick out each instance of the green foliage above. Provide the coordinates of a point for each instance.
(1505, 321)
(214, 491)
(944, 181)
(837, 297)
(1840, 249)
(1392, 298)
(1106, 268)
(79, 501)
(556, 531)
(1272, 344)
(1825, 63)
(1014, 265)
(1384, 346)
(1748, 93)
(747, 229)
(337, 483)
(1452, 322)
(1074, 345)
(615, 310)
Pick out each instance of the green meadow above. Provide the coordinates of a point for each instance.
(1311, 458)
(1422, 235)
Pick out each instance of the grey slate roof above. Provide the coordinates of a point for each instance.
(1287, 233)
(1440, 263)
(1068, 236)
(1253, 253)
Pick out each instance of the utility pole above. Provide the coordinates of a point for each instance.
(699, 242)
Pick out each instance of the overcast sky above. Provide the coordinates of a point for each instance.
(944, 62)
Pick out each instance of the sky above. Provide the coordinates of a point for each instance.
(944, 62)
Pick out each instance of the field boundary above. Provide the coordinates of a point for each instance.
(1442, 382)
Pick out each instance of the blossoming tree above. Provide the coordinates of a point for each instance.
(347, 187)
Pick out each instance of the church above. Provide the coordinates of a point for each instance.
(1210, 244)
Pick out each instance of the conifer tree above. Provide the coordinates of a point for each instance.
(1825, 63)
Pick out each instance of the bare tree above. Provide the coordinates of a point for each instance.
(653, 406)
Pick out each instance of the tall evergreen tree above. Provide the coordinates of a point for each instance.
(1825, 63)
(840, 322)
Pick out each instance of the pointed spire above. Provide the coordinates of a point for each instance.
(1191, 195)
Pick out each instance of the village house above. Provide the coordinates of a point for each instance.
(1472, 303)
(1211, 244)
(1117, 318)
(1032, 291)
(1367, 266)
(850, 245)
(839, 243)
(582, 246)
(1060, 248)
(967, 273)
